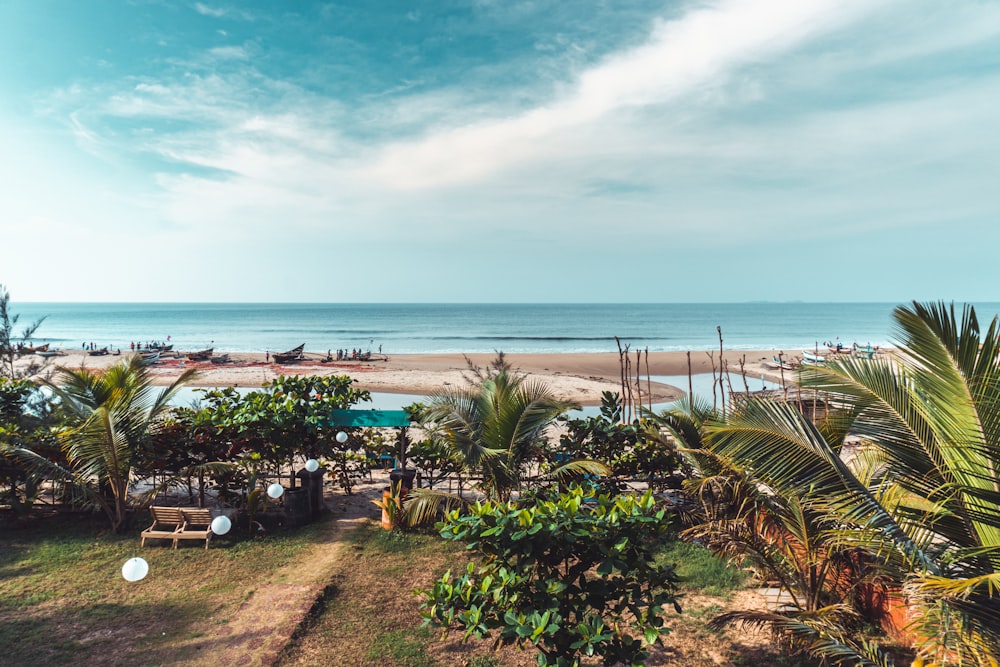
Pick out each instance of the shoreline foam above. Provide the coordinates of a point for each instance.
(580, 377)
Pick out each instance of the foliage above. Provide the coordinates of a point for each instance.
(917, 507)
(435, 460)
(25, 421)
(8, 340)
(495, 428)
(569, 578)
(391, 504)
(108, 419)
(289, 417)
(632, 449)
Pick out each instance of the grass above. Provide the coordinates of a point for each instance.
(370, 618)
(63, 599)
(370, 615)
(701, 570)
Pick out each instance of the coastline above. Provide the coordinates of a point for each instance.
(580, 377)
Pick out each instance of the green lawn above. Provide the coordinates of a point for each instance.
(63, 599)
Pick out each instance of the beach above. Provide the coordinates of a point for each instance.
(579, 377)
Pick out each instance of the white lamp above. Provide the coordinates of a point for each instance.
(221, 525)
(135, 569)
(275, 490)
(341, 437)
(312, 465)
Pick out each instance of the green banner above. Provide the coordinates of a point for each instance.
(365, 418)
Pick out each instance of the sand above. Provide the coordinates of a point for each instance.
(580, 377)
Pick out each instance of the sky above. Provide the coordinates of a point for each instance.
(500, 150)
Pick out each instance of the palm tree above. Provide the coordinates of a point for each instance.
(922, 498)
(109, 417)
(494, 428)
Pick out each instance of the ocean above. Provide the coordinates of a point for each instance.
(441, 328)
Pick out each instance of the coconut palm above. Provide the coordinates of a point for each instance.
(495, 428)
(108, 417)
(923, 495)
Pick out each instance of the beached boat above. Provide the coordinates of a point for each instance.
(812, 358)
(99, 352)
(201, 355)
(293, 355)
(867, 352)
(149, 358)
(221, 359)
(779, 364)
(49, 353)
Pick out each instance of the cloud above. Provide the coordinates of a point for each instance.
(681, 54)
(223, 12)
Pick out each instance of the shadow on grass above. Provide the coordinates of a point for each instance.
(98, 634)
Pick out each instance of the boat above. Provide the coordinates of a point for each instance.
(48, 353)
(811, 358)
(161, 347)
(149, 358)
(867, 352)
(293, 355)
(779, 364)
(201, 355)
(221, 359)
(99, 352)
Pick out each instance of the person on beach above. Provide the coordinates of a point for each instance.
(267, 356)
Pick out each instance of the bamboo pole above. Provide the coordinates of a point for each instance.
(690, 389)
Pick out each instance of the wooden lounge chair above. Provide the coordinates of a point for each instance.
(179, 523)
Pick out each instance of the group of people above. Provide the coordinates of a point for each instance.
(343, 355)
(148, 345)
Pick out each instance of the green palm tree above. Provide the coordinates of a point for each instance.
(109, 417)
(495, 428)
(922, 498)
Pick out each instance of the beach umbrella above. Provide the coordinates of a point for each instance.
(135, 569)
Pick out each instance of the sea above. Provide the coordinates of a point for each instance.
(443, 328)
(395, 328)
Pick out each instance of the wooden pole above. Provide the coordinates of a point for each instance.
(690, 389)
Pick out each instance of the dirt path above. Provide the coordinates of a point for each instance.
(258, 631)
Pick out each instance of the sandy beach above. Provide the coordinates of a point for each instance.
(579, 377)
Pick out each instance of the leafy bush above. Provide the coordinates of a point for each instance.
(570, 578)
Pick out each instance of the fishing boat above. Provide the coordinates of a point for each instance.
(149, 358)
(293, 355)
(48, 353)
(99, 352)
(221, 359)
(811, 358)
(201, 355)
(779, 364)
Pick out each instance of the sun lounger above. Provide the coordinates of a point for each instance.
(179, 523)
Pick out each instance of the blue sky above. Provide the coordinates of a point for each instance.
(542, 150)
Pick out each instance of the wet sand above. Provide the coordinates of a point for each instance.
(579, 377)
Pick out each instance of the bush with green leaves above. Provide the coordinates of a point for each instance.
(568, 577)
(25, 421)
(635, 449)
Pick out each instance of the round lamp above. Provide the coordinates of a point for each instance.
(341, 437)
(312, 465)
(275, 490)
(135, 569)
(221, 525)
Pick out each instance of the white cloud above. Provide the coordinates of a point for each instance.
(680, 55)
